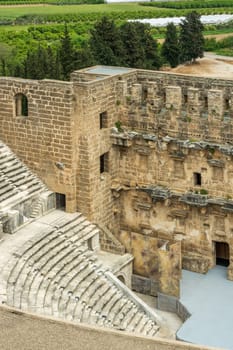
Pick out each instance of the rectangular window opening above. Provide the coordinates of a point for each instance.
(164, 97)
(104, 167)
(103, 120)
(144, 95)
(205, 102)
(197, 179)
(227, 104)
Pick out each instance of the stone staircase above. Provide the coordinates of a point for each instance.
(55, 273)
(22, 194)
(15, 177)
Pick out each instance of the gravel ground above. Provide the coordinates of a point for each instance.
(209, 66)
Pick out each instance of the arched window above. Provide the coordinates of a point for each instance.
(21, 105)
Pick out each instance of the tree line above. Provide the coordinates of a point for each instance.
(185, 44)
(130, 45)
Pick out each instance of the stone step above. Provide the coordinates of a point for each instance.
(25, 257)
(14, 169)
(3, 182)
(62, 278)
(27, 181)
(129, 316)
(72, 224)
(62, 220)
(18, 179)
(131, 326)
(119, 317)
(85, 296)
(6, 158)
(116, 307)
(7, 192)
(150, 328)
(48, 273)
(74, 234)
(141, 324)
(112, 309)
(98, 291)
(77, 276)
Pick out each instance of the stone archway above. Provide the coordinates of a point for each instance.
(121, 278)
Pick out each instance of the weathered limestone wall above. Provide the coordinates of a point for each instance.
(169, 261)
(112, 179)
(92, 137)
(179, 208)
(174, 147)
(174, 163)
(180, 106)
(43, 139)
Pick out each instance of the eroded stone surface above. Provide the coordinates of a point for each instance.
(163, 175)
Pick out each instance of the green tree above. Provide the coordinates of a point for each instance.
(140, 50)
(191, 38)
(170, 48)
(39, 64)
(83, 58)
(152, 55)
(66, 54)
(105, 43)
(133, 51)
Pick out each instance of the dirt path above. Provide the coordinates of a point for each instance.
(209, 66)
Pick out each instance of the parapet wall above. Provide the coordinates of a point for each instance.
(179, 106)
(23, 331)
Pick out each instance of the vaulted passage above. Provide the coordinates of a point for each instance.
(222, 253)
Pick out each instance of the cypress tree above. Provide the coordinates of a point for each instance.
(3, 67)
(140, 50)
(170, 48)
(133, 50)
(191, 38)
(66, 54)
(105, 43)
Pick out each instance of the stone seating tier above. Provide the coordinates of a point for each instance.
(15, 176)
(55, 273)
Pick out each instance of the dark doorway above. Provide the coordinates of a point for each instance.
(60, 201)
(222, 253)
(197, 179)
